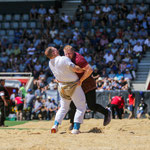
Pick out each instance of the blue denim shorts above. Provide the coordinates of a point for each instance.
(131, 108)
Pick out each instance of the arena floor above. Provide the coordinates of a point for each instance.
(118, 135)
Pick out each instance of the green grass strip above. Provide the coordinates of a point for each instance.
(6, 128)
(14, 123)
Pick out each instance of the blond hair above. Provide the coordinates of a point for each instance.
(68, 47)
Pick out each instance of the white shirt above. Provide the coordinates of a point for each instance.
(106, 9)
(127, 76)
(37, 105)
(82, 50)
(137, 48)
(97, 12)
(31, 50)
(131, 16)
(141, 41)
(42, 11)
(147, 42)
(52, 85)
(37, 67)
(132, 41)
(60, 66)
(48, 18)
(65, 19)
(118, 41)
(108, 58)
(88, 59)
(51, 11)
(53, 33)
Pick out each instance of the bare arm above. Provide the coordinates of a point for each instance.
(76, 69)
(4, 100)
(87, 72)
(134, 102)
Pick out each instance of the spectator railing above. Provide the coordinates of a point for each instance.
(18, 76)
(15, 73)
(147, 83)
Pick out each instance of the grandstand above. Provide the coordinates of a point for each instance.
(15, 19)
(105, 32)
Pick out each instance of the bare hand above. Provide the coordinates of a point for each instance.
(6, 104)
(79, 83)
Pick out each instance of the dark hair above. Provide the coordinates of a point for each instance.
(129, 90)
(2, 80)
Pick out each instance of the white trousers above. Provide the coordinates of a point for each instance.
(78, 98)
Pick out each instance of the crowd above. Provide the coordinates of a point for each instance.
(32, 105)
(38, 105)
(112, 38)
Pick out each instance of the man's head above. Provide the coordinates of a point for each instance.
(121, 95)
(2, 82)
(38, 98)
(142, 101)
(14, 90)
(29, 90)
(51, 52)
(129, 90)
(68, 51)
(49, 98)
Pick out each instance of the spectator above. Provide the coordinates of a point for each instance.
(122, 105)
(138, 48)
(29, 100)
(119, 75)
(106, 8)
(142, 109)
(51, 108)
(33, 12)
(132, 41)
(143, 8)
(115, 104)
(65, 20)
(22, 90)
(79, 13)
(127, 75)
(52, 85)
(123, 83)
(103, 41)
(19, 103)
(117, 40)
(37, 108)
(95, 73)
(122, 66)
(37, 66)
(17, 50)
(31, 50)
(108, 57)
(52, 11)
(9, 50)
(131, 97)
(147, 42)
(131, 15)
(99, 83)
(57, 41)
(12, 97)
(111, 74)
(41, 14)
